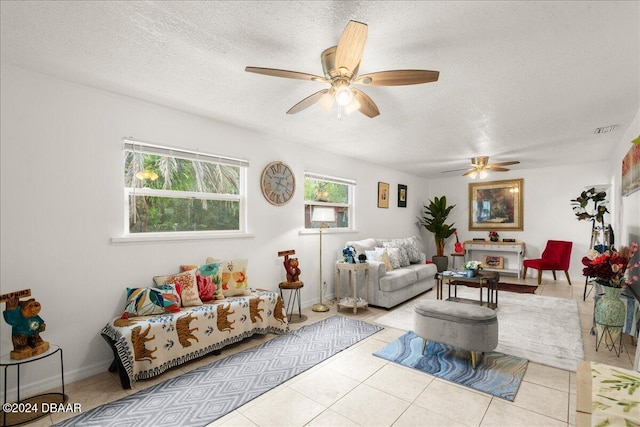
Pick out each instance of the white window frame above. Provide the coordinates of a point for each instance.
(137, 146)
(351, 205)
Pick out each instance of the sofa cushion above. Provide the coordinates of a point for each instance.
(403, 256)
(409, 244)
(234, 276)
(424, 271)
(380, 254)
(397, 279)
(186, 284)
(394, 256)
(361, 246)
(148, 301)
(214, 275)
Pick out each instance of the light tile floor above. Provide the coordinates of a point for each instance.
(356, 388)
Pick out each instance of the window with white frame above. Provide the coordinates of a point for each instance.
(169, 190)
(328, 202)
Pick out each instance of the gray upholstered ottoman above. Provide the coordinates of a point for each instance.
(470, 327)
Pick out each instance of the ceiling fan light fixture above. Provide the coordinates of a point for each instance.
(344, 95)
(354, 105)
(326, 102)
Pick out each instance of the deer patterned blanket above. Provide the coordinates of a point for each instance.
(149, 345)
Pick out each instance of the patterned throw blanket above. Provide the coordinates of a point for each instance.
(149, 345)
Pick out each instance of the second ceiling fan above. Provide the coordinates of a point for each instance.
(340, 65)
(481, 163)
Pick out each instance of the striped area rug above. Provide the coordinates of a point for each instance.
(203, 395)
(497, 374)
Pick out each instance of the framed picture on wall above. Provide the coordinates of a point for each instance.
(496, 205)
(383, 194)
(402, 196)
(631, 170)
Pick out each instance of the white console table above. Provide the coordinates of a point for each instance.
(472, 247)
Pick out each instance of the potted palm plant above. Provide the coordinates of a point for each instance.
(434, 220)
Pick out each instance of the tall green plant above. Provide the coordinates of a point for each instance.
(434, 218)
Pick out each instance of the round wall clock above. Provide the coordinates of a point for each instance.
(278, 183)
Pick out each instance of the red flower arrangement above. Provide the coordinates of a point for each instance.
(493, 234)
(609, 268)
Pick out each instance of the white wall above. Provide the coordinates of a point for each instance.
(62, 201)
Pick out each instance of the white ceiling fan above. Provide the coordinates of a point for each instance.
(340, 65)
(480, 165)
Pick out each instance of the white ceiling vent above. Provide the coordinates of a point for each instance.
(606, 129)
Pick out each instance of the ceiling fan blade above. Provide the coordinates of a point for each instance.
(469, 172)
(307, 102)
(350, 48)
(398, 78)
(497, 169)
(454, 170)
(505, 163)
(367, 106)
(286, 74)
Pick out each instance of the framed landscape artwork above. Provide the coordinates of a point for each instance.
(383, 194)
(631, 170)
(402, 196)
(496, 205)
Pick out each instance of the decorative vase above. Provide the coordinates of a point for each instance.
(609, 314)
(472, 272)
(493, 239)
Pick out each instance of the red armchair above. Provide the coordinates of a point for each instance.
(556, 256)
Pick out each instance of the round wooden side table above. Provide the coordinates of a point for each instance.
(294, 287)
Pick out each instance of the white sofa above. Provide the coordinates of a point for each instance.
(390, 288)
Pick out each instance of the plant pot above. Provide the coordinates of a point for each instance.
(472, 273)
(610, 313)
(442, 262)
(493, 239)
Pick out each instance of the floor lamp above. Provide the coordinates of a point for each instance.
(323, 216)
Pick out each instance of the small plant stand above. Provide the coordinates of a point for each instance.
(611, 342)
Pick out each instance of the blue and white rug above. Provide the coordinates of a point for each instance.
(496, 373)
(203, 395)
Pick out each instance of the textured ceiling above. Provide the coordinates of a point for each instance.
(526, 81)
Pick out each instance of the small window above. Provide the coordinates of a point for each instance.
(328, 202)
(173, 190)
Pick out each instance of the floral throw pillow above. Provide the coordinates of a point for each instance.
(149, 301)
(210, 287)
(187, 285)
(233, 276)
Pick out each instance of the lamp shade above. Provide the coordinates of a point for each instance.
(323, 215)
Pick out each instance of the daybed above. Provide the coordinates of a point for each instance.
(408, 276)
(146, 346)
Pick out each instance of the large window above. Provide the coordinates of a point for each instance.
(328, 201)
(171, 190)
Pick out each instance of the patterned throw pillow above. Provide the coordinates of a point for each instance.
(187, 286)
(410, 244)
(212, 277)
(234, 276)
(394, 257)
(413, 249)
(403, 257)
(148, 301)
